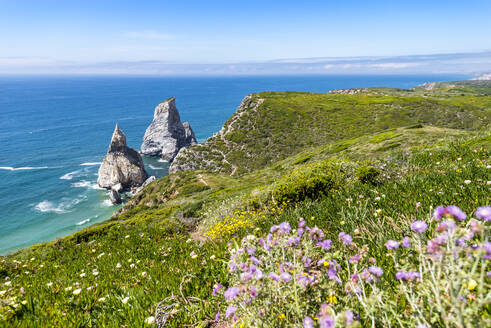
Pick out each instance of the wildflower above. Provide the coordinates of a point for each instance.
(354, 258)
(325, 244)
(467, 181)
(77, 291)
(308, 322)
(286, 277)
(345, 238)
(274, 276)
(125, 300)
(301, 223)
(419, 226)
(144, 274)
(438, 212)
(326, 322)
(102, 299)
(285, 227)
(281, 316)
(150, 320)
(82, 275)
(193, 255)
(118, 265)
(245, 276)
(484, 212)
(49, 284)
(406, 242)
(456, 212)
(231, 293)
(392, 244)
(132, 265)
(217, 317)
(375, 270)
(2, 292)
(348, 315)
(447, 225)
(401, 275)
(8, 283)
(472, 284)
(216, 289)
(95, 272)
(230, 311)
(69, 288)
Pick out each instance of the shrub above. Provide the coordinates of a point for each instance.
(309, 181)
(367, 174)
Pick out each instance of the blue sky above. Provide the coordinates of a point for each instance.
(104, 34)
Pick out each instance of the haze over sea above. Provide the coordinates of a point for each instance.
(54, 132)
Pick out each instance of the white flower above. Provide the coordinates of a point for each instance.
(8, 283)
(467, 181)
(250, 237)
(127, 236)
(212, 257)
(118, 265)
(100, 255)
(125, 300)
(49, 284)
(69, 288)
(132, 265)
(150, 320)
(193, 255)
(82, 275)
(77, 291)
(2, 292)
(488, 183)
(144, 274)
(102, 299)
(95, 272)
(377, 198)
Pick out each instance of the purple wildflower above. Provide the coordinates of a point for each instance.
(307, 262)
(392, 244)
(285, 227)
(251, 250)
(253, 291)
(419, 226)
(325, 244)
(326, 322)
(456, 212)
(349, 316)
(484, 212)
(406, 242)
(286, 277)
(216, 289)
(259, 275)
(354, 258)
(274, 228)
(375, 270)
(316, 234)
(245, 276)
(231, 293)
(274, 276)
(301, 223)
(254, 260)
(300, 231)
(232, 266)
(217, 317)
(308, 322)
(345, 238)
(447, 225)
(487, 247)
(438, 212)
(230, 311)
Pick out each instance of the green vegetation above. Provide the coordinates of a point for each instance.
(345, 172)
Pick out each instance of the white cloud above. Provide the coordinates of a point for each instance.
(149, 35)
(396, 65)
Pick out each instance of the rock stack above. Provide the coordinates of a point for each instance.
(122, 167)
(166, 135)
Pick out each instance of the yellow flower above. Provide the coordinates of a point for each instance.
(332, 299)
(281, 316)
(326, 263)
(472, 284)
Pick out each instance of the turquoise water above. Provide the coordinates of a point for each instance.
(55, 130)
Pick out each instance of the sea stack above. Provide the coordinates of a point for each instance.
(122, 167)
(166, 135)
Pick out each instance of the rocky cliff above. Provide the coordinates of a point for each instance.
(166, 135)
(122, 165)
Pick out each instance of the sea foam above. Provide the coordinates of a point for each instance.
(69, 175)
(155, 167)
(25, 168)
(91, 163)
(83, 222)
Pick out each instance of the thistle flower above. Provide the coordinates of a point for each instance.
(345, 238)
(230, 311)
(325, 244)
(392, 244)
(375, 270)
(274, 276)
(216, 289)
(419, 226)
(231, 293)
(484, 212)
(456, 212)
(286, 277)
(326, 322)
(438, 212)
(447, 225)
(406, 242)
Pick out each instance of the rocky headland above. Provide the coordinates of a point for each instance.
(166, 135)
(122, 167)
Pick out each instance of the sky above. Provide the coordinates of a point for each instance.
(219, 36)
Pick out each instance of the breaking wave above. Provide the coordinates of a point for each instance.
(26, 168)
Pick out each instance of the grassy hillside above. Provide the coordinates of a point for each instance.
(171, 242)
(270, 126)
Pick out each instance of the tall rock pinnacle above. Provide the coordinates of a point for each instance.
(122, 165)
(166, 135)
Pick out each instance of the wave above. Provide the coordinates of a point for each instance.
(91, 163)
(107, 202)
(83, 222)
(86, 184)
(162, 160)
(69, 175)
(25, 168)
(63, 207)
(155, 167)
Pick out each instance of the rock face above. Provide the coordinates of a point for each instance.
(122, 165)
(166, 135)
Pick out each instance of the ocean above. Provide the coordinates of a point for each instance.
(54, 133)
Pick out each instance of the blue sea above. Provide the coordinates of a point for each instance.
(54, 133)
